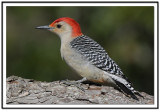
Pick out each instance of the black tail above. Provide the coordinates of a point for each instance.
(125, 89)
(137, 93)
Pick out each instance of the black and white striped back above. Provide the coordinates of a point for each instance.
(97, 56)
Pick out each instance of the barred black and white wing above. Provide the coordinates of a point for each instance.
(95, 54)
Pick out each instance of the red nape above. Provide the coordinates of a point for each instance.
(75, 26)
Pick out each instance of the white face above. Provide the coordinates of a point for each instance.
(62, 29)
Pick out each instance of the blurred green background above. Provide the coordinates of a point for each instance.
(126, 33)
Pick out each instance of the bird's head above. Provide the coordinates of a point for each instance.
(64, 27)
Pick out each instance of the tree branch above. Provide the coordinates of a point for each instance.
(28, 91)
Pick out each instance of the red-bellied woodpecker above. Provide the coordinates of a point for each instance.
(87, 57)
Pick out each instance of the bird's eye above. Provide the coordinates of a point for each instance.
(59, 26)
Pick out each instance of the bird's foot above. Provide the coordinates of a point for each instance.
(75, 83)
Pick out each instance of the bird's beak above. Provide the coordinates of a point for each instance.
(44, 27)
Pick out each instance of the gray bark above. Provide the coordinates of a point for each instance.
(28, 91)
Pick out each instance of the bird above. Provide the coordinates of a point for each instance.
(88, 58)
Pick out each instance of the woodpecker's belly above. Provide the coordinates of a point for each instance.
(83, 67)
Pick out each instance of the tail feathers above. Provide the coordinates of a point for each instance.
(125, 89)
(125, 86)
(137, 93)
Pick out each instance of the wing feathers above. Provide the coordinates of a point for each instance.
(95, 54)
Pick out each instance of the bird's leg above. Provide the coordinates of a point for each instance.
(75, 83)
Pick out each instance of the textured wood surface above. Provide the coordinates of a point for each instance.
(28, 91)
